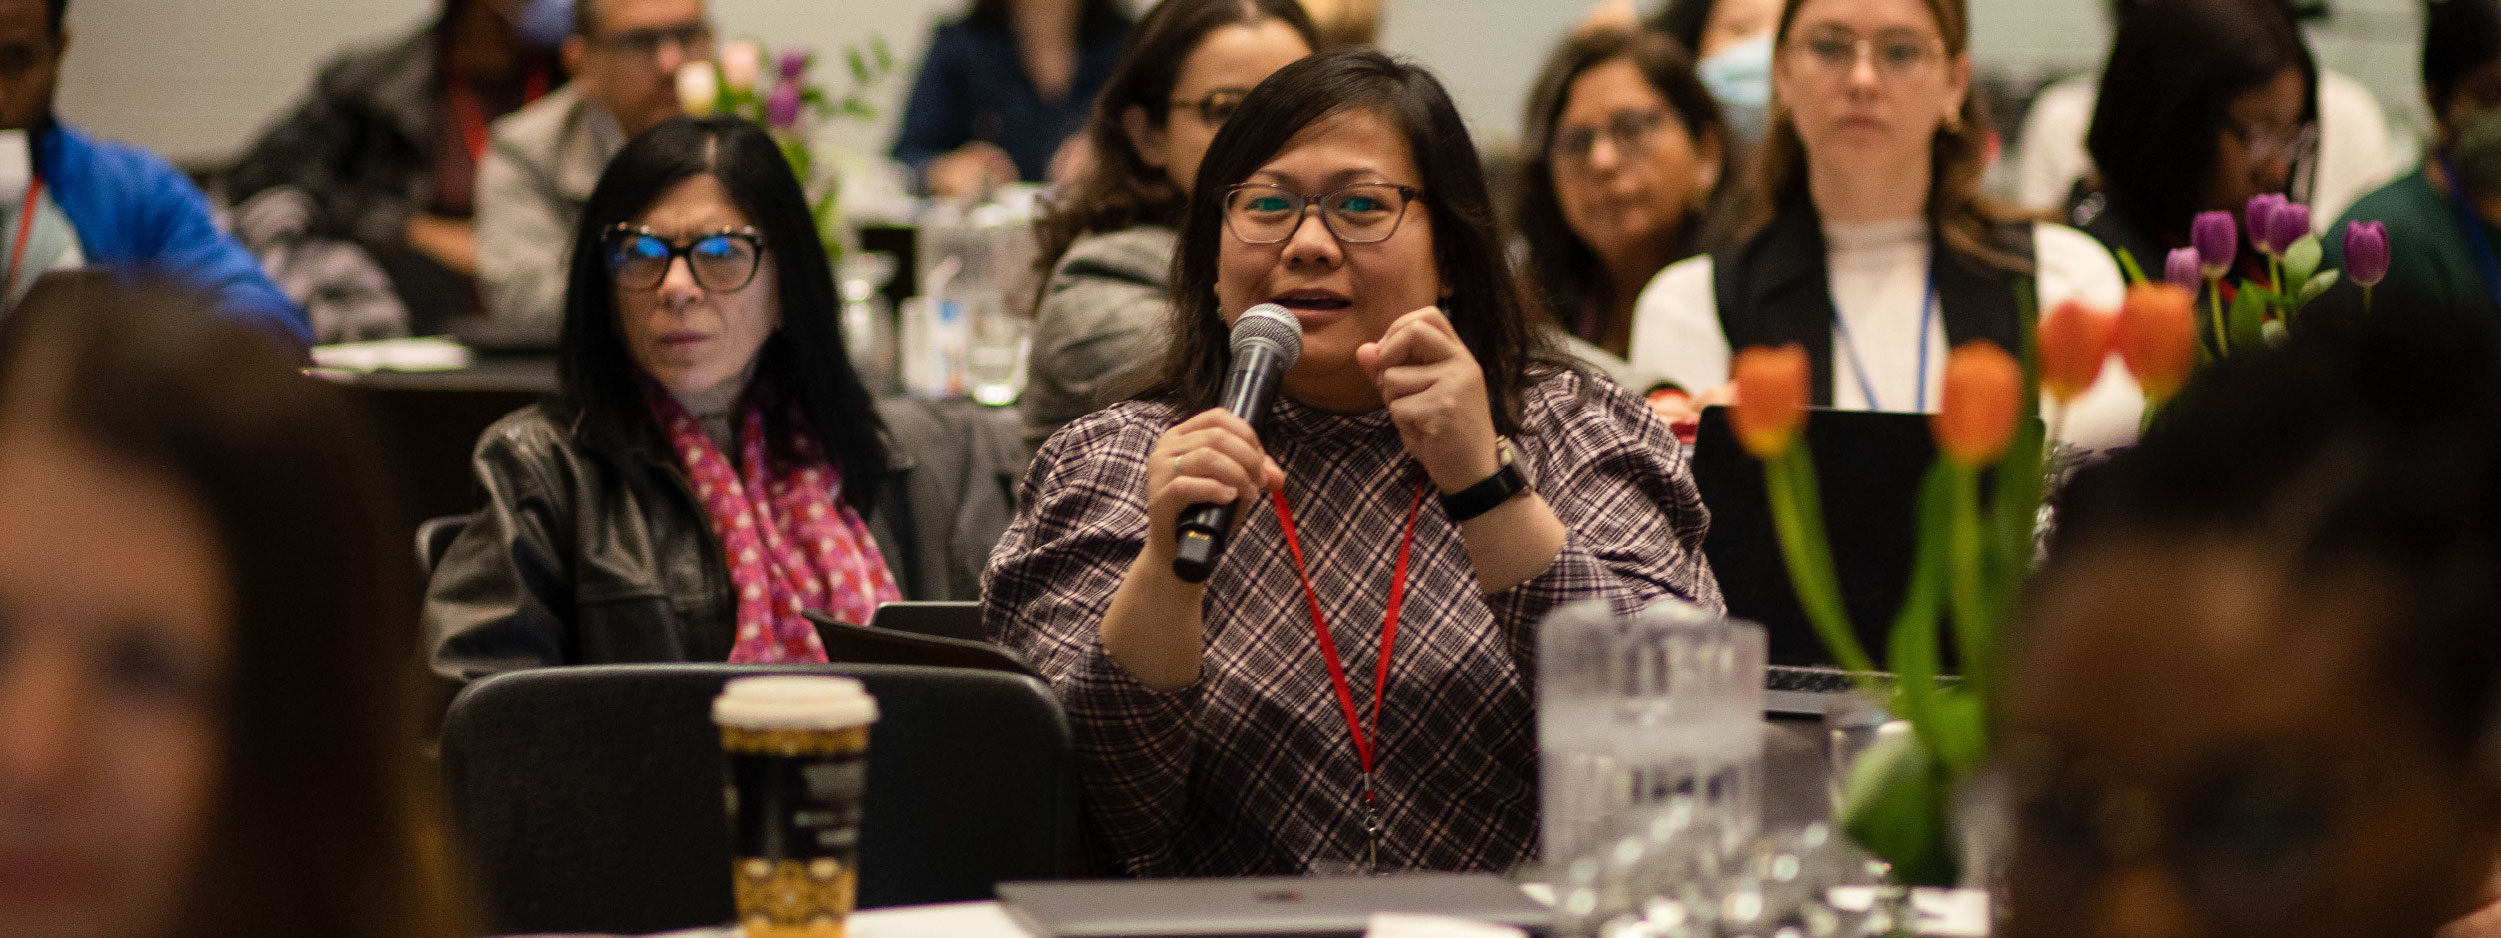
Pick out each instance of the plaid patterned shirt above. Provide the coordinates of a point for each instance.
(1250, 770)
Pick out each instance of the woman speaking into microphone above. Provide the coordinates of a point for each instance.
(1352, 687)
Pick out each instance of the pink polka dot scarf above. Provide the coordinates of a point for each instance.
(791, 541)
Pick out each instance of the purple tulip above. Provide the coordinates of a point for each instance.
(2290, 223)
(782, 110)
(2218, 243)
(2182, 270)
(795, 63)
(2366, 252)
(2259, 216)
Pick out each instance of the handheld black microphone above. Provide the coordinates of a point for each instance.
(1266, 341)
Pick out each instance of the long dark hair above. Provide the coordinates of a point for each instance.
(1096, 18)
(1685, 21)
(1565, 267)
(2459, 37)
(1965, 222)
(1503, 330)
(324, 820)
(2166, 95)
(803, 364)
(1119, 190)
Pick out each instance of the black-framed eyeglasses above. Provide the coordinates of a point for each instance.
(1363, 213)
(692, 39)
(1216, 106)
(1632, 131)
(722, 261)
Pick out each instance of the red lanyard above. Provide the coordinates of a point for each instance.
(1337, 670)
(25, 227)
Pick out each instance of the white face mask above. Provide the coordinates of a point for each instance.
(1739, 77)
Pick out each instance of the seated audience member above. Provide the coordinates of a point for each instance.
(1107, 242)
(1880, 254)
(710, 467)
(1346, 189)
(1002, 88)
(2253, 694)
(2353, 152)
(388, 142)
(1622, 177)
(1731, 43)
(208, 718)
(544, 159)
(107, 204)
(2444, 218)
(2237, 80)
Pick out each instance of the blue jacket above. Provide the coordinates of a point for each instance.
(135, 213)
(973, 86)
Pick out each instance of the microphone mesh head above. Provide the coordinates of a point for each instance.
(1272, 325)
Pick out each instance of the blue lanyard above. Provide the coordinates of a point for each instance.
(1927, 314)
(2471, 224)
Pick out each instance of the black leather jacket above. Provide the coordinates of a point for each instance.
(581, 557)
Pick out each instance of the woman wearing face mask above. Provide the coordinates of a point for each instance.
(710, 465)
(2445, 218)
(2238, 80)
(1107, 244)
(1879, 255)
(208, 723)
(1218, 724)
(1623, 178)
(2354, 156)
(1731, 41)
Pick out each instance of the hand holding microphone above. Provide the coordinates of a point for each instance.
(1202, 470)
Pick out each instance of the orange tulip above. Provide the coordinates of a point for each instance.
(1771, 398)
(2157, 338)
(2075, 340)
(1983, 386)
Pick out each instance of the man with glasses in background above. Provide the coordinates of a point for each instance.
(624, 56)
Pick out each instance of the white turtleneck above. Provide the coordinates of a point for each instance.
(1879, 277)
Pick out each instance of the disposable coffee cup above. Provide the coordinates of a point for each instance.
(796, 748)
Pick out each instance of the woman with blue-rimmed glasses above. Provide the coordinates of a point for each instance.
(710, 468)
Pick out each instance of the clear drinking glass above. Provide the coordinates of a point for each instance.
(1635, 712)
(995, 357)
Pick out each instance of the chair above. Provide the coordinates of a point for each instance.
(434, 537)
(590, 796)
(957, 620)
(870, 644)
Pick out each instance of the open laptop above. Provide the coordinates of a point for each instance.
(1262, 907)
(1868, 468)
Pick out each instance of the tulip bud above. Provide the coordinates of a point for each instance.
(2366, 252)
(2290, 223)
(741, 63)
(1983, 388)
(2259, 218)
(2218, 243)
(1771, 398)
(782, 110)
(795, 63)
(2182, 270)
(698, 88)
(2075, 340)
(2157, 338)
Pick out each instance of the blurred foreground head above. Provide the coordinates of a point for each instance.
(2253, 688)
(207, 658)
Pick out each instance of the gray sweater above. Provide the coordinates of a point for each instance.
(1100, 325)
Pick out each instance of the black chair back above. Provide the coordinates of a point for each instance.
(590, 796)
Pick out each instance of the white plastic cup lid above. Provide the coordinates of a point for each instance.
(794, 701)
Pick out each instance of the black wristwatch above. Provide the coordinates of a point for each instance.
(1488, 495)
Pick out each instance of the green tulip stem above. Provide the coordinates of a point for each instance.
(2222, 331)
(1968, 594)
(1798, 517)
(2366, 299)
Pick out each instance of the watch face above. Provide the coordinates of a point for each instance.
(1511, 457)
